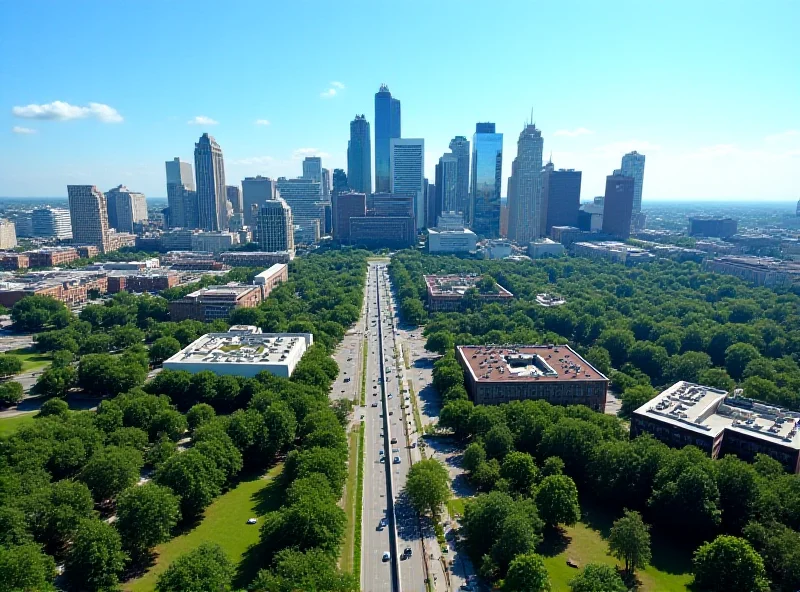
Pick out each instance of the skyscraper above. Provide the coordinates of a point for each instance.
(561, 196)
(618, 205)
(407, 173)
(181, 196)
(212, 201)
(447, 184)
(51, 222)
(487, 165)
(89, 216)
(180, 173)
(125, 208)
(340, 183)
(312, 168)
(525, 214)
(460, 148)
(308, 209)
(255, 191)
(359, 156)
(387, 127)
(275, 227)
(345, 206)
(234, 195)
(633, 166)
(326, 184)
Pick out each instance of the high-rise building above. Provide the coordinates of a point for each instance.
(432, 202)
(447, 185)
(275, 228)
(234, 195)
(89, 216)
(345, 206)
(326, 184)
(340, 183)
(308, 209)
(125, 208)
(212, 200)
(460, 148)
(561, 196)
(487, 165)
(387, 127)
(633, 166)
(180, 173)
(50, 222)
(8, 234)
(618, 205)
(525, 213)
(407, 173)
(312, 169)
(359, 156)
(179, 180)
(255, 191)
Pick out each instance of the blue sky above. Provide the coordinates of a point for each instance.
(708, 90)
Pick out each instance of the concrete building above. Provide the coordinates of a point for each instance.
(447, 187)
(387, 128)
(242, 351)
(214, 242)
(407, 173)
(613, 251)
(70, 287)
(497, 249)
(761, 271)
(633, 166)
(180, 190)
(526, 215)
(234, 195)
(545, 247)
(452, 241)
(152, 281)
(566, 235)
(710, 226)
(326, 184)
(217, 302)
(89, 216)
(51, 223)
(125, 208)
(345, 206)
(312, 170)
(340, 182)
(255, 258)
(561, 197)
(359, 159)
(308, 209)
(212, 201)
(8, 234)
(52, 256)
(487, 166)
(495, 374)
(446, 292)
(269, 278)
(383, 232)
(275, 227)
(255, 191)
(618, 206)
(719, 424)
(459, 146)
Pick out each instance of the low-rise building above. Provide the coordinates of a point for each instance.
(710, 226)
(549, 300)
(566, 235)
(718, 423)
(268, 279)
(461, 240)
(495, 374)
(255, 258)
(154, 281)
(14, 261)
(52, 256)
(614, 251)
(545, 247)
(214, 242)
(216, 302)
(761, 271)
(70, 287)
(497, 249)
(446, 292)
(243, 351)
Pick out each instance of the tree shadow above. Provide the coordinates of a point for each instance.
(555, 541)
(669, 556)
(596, 517)
(407, 521)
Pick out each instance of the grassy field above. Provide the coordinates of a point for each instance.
(9, 425)
(351, 501)
(224, 522)
(31, 360)
(455, 505)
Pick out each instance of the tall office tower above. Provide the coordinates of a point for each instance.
(212, 198)
(312, 168)
(125, 208)
(433, 203)
(275, 227)
(326, 184)
(407, 173)
(8, 234)
(340, 183)
(447, 182)
(487, 165)
(345, 206)
(89, 216)
(561, 196)
(618, 205)
(255, 191)
(234, 195)
(50, 222)
(387, 127)
(308, 209)
(460, 148)
(179, 176)
(359, 156)
(525, 215)
(633, 166)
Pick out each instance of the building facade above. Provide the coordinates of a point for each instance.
(447, 186)
(234, 195)
(346, 206)
(633, 166)
(275, 228)
(407, 173)
(459, 146)
(209, 304)
(716, 227)
(255, 191)
(359, 158)
(89, 216)
(312, 169)
(525, 211)
(387, 127)
(125, 208)
(446, 293)
(308, 209)
(8, 234)
(181, 196)
(51, 223)
(561, 197)
(451, 241)
(269, 278)
(618, 206)
(255, 258)
(212, 200)
(487, 167)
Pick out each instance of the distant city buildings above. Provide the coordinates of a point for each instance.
(8, 234)
(326, 184)
(359, 159)
(446, 293)
(710, 226)
(407, 173)
(255, 191)
(389, 222)
(312, 169)
(308, 210)
(387, 127)
(340, 183)
(211, 194)
(125, 208)
(614, 251)
(181, 195)
(459, 146)
(545, 247)
(447, 187)
(89, 216)
(50, 222)
(487, 166)
(561, 197)
(275, 228)
(461, 240)
(345, 206)
(760, 271)
(618, 205)
(234, 195)
(525, 211)
(633, 166)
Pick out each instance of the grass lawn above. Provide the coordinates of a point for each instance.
(224, 522)
(31, 360)
(351, 502)
(9, 425)
(455, 505)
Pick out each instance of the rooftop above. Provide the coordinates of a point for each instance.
(526, 363)
(457, 284)
(549, 300)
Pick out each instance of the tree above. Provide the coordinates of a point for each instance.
(56, 382)
(599, 358)
(737, 357)
(483, 521)
(145, 517)
(499, 441)
(428, 486)
(629, 541)
(310, 522)
(729, 564)
(689, 366)
(779, 545)
(597, 577)
(95, 558)
(634, 397)
(25, 567)
(204, 569)
(527, 573)
(557, 500)
(519, 469)
(412, 310)
(521, 533)
(440, 342)
(126, 335)
(11, 393)
(34, 313)
(54, 407)
(312, 570)
(163, 348)
(737, 482)
(199, 414)
(616, 342)
(111, 470)
(318, 460)
(193, 477)
(474, 456)
(718, 378)
(10, 365)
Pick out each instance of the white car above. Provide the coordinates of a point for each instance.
(252, 520)
(386, 556)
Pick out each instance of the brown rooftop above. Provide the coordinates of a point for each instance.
(526, 363)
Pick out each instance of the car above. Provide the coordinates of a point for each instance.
(395, 450)
(374, 403)
(383, 459)
(347, 379)
(407, 551)
(391, 413)
(383, 522)
(252, 520)
(396, 460)
(381, 452)
(349, 359)
(394, 440)
(390, 395)
(466, 588)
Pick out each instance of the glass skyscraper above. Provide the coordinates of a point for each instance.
(525, 212)
(212, 197)
(387, 127)
(487, 165)
(359, 157)
(633, 166)
(460, 147)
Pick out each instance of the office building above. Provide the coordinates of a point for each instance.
(614, 251)
(326, 184)
(50, 222)
(51, 256)
(180, 189)
(487, 166)
(389, 222)
(340, 183)
(346, 206)
(497, 249)
(10, 261)
(462, 240)
(212, 201)
(180, 173)
(446, 292)
(544, 247)
(407, 173)
(125, 208)
(431, 203)
(447, 185)
(312, 169)
(255, 191)
(525, 213)
(688, 414)
(275, 227)
(216, 302)
(214, 241)
(359, 157)
(23, 222)
(561, 196)
(234, 195)
(141, 282)
(255, 258)
(459, 146)
(272, 277)
(760, 271)
(633, 166)
(387, 127)
(709, 226)
(308, 210)
(69, 287)
(88, 216)
(495, 374)
(618, 206)
(242, 351)
(8, 234)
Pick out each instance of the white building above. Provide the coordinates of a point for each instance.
(8, 234)
(525, 212)
(407, 172)
(633, 166)
(214, 242)
(275, 226)
(51, 222)
(125, 208)
(243, 351)
(451, 241)
(545, 247)
(497, 249)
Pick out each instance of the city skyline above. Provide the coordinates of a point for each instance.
(699, 116)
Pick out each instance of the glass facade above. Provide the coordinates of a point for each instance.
(387, 126)
(487, 164)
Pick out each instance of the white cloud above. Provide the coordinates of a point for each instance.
(61, 111)
(581, 131)
(337, 84)
(263, 122)
(782, 136)
(328, 94)
(303, 152)
(202, 120)
(23, 130)
(252, 160)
